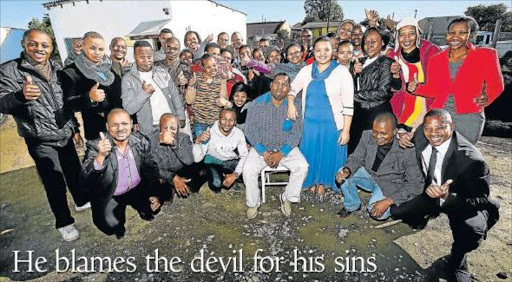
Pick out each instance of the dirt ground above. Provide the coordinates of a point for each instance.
(216, 224)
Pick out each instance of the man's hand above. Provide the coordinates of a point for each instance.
(343, 174)
(482, 100)
(372, 16)
(344, 137)
(182, 80)
(97, 95)
(148, 88)
(273, 159)
(436, 191)
(180, 184)
(30, 90)
(380, 207)
(404, 139)
(155, 203)
(229, 179)
(166, 137)
(209, 38)
(79, 142)
(413, 85)
(205, 136)
(104, 148)
(395, 68)
(358, 67)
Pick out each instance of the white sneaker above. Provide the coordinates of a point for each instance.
(286, 206)
(83, 208)
(69, 233)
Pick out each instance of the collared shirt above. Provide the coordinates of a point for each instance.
(127, 177)
(441, 152)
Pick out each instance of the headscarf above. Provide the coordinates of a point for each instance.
(405, 22)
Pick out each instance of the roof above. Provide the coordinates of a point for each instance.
(148, 28)
(56, 3)
(319, 24)
(260, 28)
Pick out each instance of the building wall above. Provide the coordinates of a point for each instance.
(10, 47)
(322, 31)
(119, 18)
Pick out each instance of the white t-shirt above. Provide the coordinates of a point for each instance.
(158, 102)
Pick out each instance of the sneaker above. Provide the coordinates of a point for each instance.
(69, 233)
(286, 206)
(83, 207)
(252, 212)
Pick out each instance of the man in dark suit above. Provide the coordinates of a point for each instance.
(456, 183)
(121, 167)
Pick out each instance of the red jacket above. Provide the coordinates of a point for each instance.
(481, 65)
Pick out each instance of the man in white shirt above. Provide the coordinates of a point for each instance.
(149, 91)
(456, 183)
(224, 150)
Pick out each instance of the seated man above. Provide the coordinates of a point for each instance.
(172, 150)
(274, 140)
(149, 91)
(224, 151)
(380, 166)
(121, 168)
(456, 183)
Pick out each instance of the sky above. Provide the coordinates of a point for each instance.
(15, 13)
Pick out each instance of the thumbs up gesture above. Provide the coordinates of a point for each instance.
(395, 68)
(413, 85)
(148, 88)
(30, 90)
(97, 95)
(482, 100)
(205, 136)
(182, 80)
(435, 191)
(104, 145)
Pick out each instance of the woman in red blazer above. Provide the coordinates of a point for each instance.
(463, 79)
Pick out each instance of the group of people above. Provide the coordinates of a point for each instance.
(344, 111)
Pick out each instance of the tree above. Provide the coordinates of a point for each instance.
(318, 11)
(486, 16)
(46, 26)
(283, 34)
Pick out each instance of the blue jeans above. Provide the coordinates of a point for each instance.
(365, 181)
(199, 128)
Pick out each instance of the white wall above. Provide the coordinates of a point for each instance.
(119, 18)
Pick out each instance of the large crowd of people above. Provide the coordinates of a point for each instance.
(371, 107)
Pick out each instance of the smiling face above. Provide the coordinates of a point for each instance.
(258, 55)
(38, 46)
(118, 50)
(306, 37)
(227, 55)
(227, 122)
(186, 58)
(458, 35)
(119, 125)
(437, 130)
(236, 40)
(280, 87)
(357, 36)
(383, 132)
(223, 40)
(373, 44)
(191, 41)
(407, 37)
(323, 52)
(345, 54)
(210, 67)
(239, 98)
(274, 57)
(94, 49)
(294, 55)
(144, 58)
(345, 31)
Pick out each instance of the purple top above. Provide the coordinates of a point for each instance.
(128, 176)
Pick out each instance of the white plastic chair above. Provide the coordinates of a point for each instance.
(265, 178)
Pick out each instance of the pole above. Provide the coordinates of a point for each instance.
(415, 13)
(328, 17)
(496, 33)
(430, 30)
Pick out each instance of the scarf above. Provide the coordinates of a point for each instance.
(44, 70)
(100, 73)
(317, 75)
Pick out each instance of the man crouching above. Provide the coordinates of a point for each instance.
(122, 172)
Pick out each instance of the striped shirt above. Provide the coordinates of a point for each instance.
(205, 106)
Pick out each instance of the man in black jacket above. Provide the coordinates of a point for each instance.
(122, 171)
(29, 91)
(456, 183)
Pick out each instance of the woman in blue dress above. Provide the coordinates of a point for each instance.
(327, 107)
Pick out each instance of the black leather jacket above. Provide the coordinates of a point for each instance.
(374, 83)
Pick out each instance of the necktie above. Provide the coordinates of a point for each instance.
(431, 167)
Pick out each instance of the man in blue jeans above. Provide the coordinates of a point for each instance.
(380, 166)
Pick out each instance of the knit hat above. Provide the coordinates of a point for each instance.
(406, 22)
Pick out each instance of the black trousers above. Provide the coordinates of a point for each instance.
(215, 173)
(58, 167)
(468, 229)
(197, 174)
(112, 218)
(363, 120)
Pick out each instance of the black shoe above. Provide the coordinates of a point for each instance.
(120, 234)
(147, 216)
(236, 187)
(343, 213)
(462, 276)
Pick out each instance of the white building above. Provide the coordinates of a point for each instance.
(135, 20)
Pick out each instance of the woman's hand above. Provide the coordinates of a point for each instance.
(344, 137)
(292, 112)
